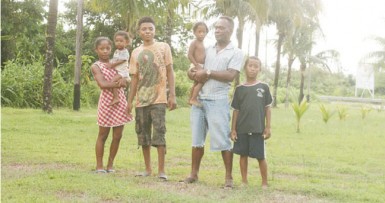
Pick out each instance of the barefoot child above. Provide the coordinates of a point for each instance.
(120, 60)
(108, 116)
(196, 55)
(251, 119)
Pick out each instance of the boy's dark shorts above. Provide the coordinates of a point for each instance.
(250, 144)
(148, 119)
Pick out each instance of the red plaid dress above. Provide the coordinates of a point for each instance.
(115, 115)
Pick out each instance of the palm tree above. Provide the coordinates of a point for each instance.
(300, 43)
(377, 57)
(260, 11)
(49, 56)
(128, 10)
(286, 15)
(322, 58)
(131, 11)
(298, 46)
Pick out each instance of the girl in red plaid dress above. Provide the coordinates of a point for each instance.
(114, 116)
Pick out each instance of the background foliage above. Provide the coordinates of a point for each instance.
(23, 47)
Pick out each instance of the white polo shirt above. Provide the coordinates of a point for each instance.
(230, 57)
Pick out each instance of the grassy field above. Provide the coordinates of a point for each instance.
(50, 158)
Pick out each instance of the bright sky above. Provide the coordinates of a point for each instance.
(348, 26)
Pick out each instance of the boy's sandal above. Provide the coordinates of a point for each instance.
(110, 171)
(100, 171)
(163, 177)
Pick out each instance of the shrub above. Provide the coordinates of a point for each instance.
(182, 83)
(22, 86)
(181, 62)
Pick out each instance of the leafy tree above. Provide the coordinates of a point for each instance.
(21, 29)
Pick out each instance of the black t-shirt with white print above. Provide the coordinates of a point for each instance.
(250, 101)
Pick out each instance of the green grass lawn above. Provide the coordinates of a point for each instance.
(51, 158)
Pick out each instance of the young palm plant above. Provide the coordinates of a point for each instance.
(364, 111)
(326, 113)
(299, 111)
(342, 112)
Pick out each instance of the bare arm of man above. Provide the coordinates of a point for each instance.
(223, 76)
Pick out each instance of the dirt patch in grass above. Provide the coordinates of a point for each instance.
(206, 191)
(278, 197)
(66, 196)
(20, 170)
(285, 176)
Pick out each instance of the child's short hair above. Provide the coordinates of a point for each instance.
(255, 58)
(146, 19)
(100, 40)
(123, 34)
(199, 23)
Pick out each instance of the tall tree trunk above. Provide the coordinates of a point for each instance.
(49, 56)
(277, 68)
(257, 40)
(240, 41)
(78, 60)
(301, 86)
(288, 79)
(169, 28)
(8, 47)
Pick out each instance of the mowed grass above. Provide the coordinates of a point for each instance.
(51, 158)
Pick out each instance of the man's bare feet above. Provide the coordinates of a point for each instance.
(189, 180)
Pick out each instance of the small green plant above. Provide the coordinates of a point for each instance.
(342, 112)
(326, 113)
(299, 111)
(364, 111)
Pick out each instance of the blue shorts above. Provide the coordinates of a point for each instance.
(214, 118)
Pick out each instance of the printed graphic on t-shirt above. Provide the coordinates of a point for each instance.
(148, 77)
(260, 92)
